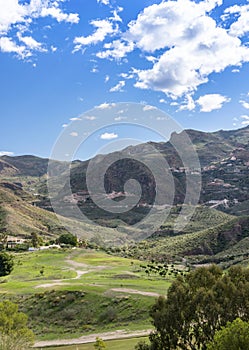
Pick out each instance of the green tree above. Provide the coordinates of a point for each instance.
(68, 238)
(36, 240)
(3, 238)
(197, 305)
(6, 264)
(235, 336)
(14, 333)
(99, 344)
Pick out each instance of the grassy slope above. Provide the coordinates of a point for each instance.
(209, 233)
(20, 218)
(84, 305)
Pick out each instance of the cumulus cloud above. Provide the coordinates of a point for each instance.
(105, 105)
(9, 46)
(188, 104)
(245, 104)
(108, 136)
(104, 28)
(241, 26)
(192, 46)
(245, 120)
(16, 17)
(149, 108)
(195, 46)
(118, 87)
(31, 43)
(116, 50)
(59, 15)
(211, 102)
(6, 153)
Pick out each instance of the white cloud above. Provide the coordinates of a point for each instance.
(105, 105)
(6, 153)
(94, 70)
(31, 43)
(60, 16)
(188, 105)
(212, 102)
(118, 87)
(192, 47)
(116, 17)
(245, 120)
(241, 26)
(53, 48)
(75, 119)
(9, 46)
(108, 136)
(107, 78)
(149, 108)
(64, 125)
(244, 104)
(90, 117)
(104, 27)
(16, 17)
(162, 100)
(118, 119)
(116, 50)
(104, 2)
(151, 58)
(174, 103)
(74, 134)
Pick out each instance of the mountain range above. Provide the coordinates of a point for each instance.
(224, 162)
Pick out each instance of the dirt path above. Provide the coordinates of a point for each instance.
(134, 291)
(119, 334)
(75, 266)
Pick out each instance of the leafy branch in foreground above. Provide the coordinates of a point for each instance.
(235, 336)
(14, 333)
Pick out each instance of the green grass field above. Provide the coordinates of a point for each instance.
(68, 293)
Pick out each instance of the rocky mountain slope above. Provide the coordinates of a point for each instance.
(224, 165)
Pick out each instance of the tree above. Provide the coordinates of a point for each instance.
(197, 305)
(99, 344)
(68, 238)
(36, 240)
(14, 333)
(6, 264)
(235, 336)
(3, 238)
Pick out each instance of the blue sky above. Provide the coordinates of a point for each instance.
(62, 58)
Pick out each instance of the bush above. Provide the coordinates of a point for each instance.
(6, 264)
(68, 239)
